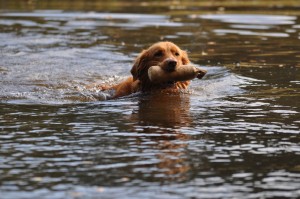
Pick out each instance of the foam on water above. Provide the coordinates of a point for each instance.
(59, 85)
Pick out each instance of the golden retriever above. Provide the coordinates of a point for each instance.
(164, 54)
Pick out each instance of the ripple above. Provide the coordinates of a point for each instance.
(251, 25)
(252, 33)
(91, 19)
(252, 19)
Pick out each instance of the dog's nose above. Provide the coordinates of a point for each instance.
(171, 64)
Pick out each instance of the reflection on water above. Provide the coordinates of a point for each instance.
(234, 135)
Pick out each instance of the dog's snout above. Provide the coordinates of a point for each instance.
(170, 64)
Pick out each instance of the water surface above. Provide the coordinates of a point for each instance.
(235, 135)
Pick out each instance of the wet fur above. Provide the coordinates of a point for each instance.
(158, 54)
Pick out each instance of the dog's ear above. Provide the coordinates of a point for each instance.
(137, 67)
(185, 58)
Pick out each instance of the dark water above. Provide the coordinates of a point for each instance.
(236, 135)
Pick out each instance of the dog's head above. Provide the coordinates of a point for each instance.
(164, 54)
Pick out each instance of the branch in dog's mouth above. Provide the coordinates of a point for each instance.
(157, 75)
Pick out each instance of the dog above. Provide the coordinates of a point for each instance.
(165, 54)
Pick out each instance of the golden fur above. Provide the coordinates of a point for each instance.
(164, 54)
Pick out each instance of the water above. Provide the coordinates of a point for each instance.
(235, 135)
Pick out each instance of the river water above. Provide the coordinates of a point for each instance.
(235, 135)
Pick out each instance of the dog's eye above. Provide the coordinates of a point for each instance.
(158, 54)
(176, 54)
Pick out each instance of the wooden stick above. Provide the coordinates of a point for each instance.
(182, 73)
